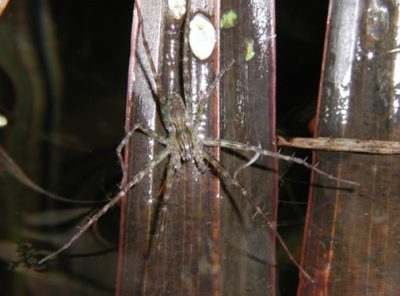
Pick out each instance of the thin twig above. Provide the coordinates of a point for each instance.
(342, 144)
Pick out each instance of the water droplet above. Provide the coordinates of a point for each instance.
(377, 20)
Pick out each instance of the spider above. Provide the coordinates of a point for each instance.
(183, 144)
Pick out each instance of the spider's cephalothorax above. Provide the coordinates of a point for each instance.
(183, 139)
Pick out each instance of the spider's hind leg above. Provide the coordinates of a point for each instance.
(173, 166)
(271, 225)
(233, 145)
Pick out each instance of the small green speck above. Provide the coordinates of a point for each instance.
(250, 53)
(229, 19)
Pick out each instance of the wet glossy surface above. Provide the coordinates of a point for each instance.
(352, 236)
(211, 243)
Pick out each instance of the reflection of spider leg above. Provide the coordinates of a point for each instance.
(92, 219)
(272, 226)
(245, 147)
(144, 129)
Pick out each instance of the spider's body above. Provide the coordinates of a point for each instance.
(185, 143)
(183, 140)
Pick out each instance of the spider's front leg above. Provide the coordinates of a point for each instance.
(160, 96)
(144, 129)
(92, 219)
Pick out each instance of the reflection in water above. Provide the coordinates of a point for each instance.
(342, 111)
(395, 105)
(346, 52)
(200, 79)
(370, 55)
(396, 72)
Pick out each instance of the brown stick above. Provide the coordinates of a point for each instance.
(342, 144)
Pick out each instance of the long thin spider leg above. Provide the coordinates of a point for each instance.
(158, 90)
(244, 147)
(185, 68)
(173, 166)
(227, 176)
(92, 219)
(146, 130)
(207, 94)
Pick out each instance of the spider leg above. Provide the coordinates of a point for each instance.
(207, 94)
(173, 167)
(92, 219)
(245, 147)
(144, 129)
(272, 226)
(146, 46)
(185, 68)
(158, 89)
(187, 88)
